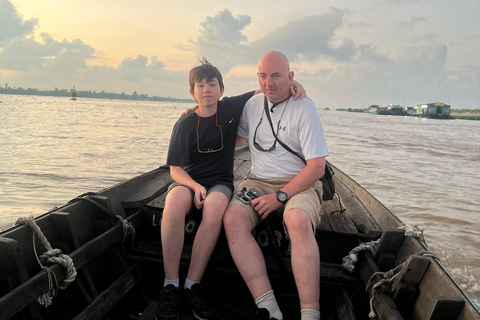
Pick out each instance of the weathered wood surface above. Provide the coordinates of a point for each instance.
(384, 306)
(29, 291)
(360, 216)
(447, 309)
(109, 297)
(149, 189)
(344, 306)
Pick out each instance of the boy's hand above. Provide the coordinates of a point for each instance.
(200, 195)
(297, 90)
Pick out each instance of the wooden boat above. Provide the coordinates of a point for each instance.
(119, 273)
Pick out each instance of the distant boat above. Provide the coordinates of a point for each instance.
(74, 93)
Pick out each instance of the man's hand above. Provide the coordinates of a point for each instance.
(189, 110)
(297, 90)
(264, 205)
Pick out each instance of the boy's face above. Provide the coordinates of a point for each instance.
(207, 93)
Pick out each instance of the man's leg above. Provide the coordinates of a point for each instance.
(245, 251)
(177, 205)
(250, 261)
(207, 234)
(305, 258)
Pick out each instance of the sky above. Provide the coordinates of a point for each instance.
(346, 53)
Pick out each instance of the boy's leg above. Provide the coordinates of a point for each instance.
(178, 204)
(207, 234)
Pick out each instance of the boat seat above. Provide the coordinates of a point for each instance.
(148, 188)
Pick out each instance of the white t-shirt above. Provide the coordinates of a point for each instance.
(299, 128)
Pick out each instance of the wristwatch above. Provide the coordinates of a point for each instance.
(281, 196)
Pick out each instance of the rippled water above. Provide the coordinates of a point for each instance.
(425, 171)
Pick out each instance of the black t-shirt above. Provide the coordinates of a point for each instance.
(208, 168)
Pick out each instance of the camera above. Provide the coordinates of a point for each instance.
(248, 195)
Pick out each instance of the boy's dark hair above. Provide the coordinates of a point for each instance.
(204, 71)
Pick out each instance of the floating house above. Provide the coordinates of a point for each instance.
(392, 109)
(373, 108)
(433, 110)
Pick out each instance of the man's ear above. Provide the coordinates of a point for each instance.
(290, 75)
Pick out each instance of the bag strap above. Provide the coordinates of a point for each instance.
(275, 135)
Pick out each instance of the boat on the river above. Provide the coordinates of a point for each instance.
(74, 93)
(113, 240)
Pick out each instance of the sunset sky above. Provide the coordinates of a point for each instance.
(346, 53)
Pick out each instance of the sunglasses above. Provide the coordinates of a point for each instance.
(258, 146)
(203, 149)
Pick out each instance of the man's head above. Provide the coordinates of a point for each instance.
(274, 76)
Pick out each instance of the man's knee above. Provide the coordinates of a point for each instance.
(297, 222)
(235, 217)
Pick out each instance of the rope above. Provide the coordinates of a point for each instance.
(413, 230)
(128, 228)
(348, 262)
(50, 256)
(389, 277)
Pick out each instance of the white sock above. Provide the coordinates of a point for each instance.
(175, 282)
(310, 314)
(189, 283)
(268, 301)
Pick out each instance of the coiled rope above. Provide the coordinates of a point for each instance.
(388, 278)
(51, 256)
(349, 261)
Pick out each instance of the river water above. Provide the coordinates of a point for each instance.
(425, 171)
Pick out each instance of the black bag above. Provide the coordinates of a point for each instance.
(328, 183)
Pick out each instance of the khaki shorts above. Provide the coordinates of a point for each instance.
(307, 200)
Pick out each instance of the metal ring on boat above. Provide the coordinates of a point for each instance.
(262, 238)
(190, 226)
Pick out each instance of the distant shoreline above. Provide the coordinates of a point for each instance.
(466, 115)
(90, 94)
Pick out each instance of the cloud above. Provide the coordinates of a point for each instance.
(24, 53)
(11, 24)
(413, 22)
(222, 42)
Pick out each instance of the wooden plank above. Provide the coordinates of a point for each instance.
(383, 304)
(344, 305)
(447, 309)
(404, 288)
(385, 253)
(149, 312)
(29, 291)
(360, 216)
(158, 202)
(13, 268)
(148, 190)
(340, 222)
(109, 297)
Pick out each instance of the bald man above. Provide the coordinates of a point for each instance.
(288, 185)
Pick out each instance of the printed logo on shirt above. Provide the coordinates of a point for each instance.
(230, 120)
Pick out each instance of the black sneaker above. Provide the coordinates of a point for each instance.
(200, 303)
(168, 304)
(263, 314)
